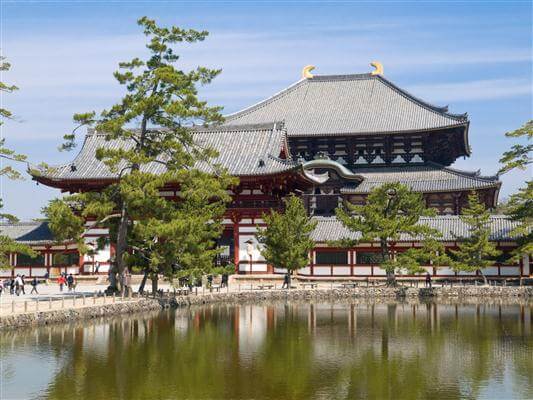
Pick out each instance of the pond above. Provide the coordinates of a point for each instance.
(293, 350)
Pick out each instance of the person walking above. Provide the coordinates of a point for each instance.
(70, 282)
(61, 281)
(428, 280)
(224, 280)
(286, 281)
(12, 285)
(18, 285)
(34, 284)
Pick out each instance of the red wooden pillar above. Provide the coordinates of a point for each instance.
(351, 255)
(80, 264)
(235, 218)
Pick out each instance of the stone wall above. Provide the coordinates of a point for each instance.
(356, 293)
(73, 314)
(366, 293)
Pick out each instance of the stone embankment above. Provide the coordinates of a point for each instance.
(366, 293)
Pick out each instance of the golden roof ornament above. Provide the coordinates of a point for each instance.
(306, 71)
(378, 68)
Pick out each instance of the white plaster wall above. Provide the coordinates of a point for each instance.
(101, 255)
(103, 268)
(507, 271)
(445, 271)
(243, 238)
(491, 271)
(341, 270)
(322, 270)
(38, 271)
(362, 270)
(255, 267)
(22, 271)
(73, 270)
(304, 271)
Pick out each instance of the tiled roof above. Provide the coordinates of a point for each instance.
(28, 232)
(347, 104)
(243, 150)
(423, 178)
(450, 226)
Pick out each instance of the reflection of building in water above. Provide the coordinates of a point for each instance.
(182, 321)
(252, 326)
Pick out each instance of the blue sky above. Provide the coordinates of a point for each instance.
(474, 56)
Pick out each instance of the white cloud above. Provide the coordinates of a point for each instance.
(487, 89)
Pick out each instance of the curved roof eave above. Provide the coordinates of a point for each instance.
(331, 164)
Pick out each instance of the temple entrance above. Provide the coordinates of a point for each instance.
(227, 244)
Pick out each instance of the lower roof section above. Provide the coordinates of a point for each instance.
(328, 228)
(30, 233)
(450, 226)
(248, 150)
(426, 178)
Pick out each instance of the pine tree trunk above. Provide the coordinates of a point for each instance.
(143, 282)
(485, 281)
(154, 284)
(391, 278)
(121, 246)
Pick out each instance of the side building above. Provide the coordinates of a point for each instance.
(329, 139)
(52, 257)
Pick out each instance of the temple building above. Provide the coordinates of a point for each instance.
(329, 139)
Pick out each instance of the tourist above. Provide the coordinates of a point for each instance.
(46, 278)
(286, 281)
(209, 281)
(224, 280)
(70, 282)
(18, 285)
(12, 286)
(61, 281)
(428, 280)
(34, 283)
(7, 284)
(22, 283)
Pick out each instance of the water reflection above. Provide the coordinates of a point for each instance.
(281, 350)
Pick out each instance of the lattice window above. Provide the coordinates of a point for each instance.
(332, 257)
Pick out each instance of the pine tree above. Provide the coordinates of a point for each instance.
(520, 205)
(8, 245)
(287, 237)
(476, 251)
(390, 211)
(155, 116)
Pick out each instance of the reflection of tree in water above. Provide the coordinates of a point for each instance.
(368, 351)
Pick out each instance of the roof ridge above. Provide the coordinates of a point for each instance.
(341, 77)
(423, 103)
